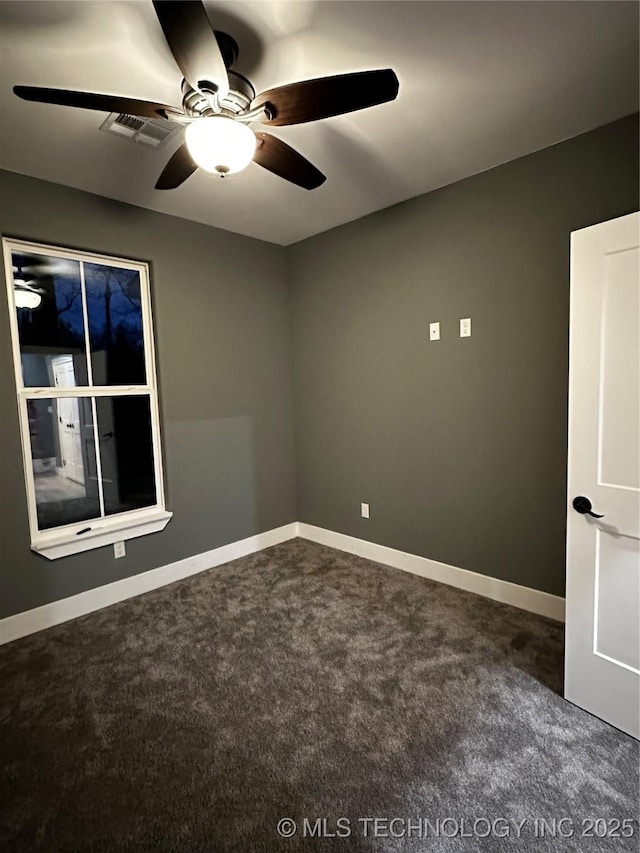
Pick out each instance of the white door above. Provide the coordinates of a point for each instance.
(69, 428)
(602, 670)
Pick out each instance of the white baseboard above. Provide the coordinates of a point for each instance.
(523, 597)
(30, 621)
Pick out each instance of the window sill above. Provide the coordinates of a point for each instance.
(55, 544)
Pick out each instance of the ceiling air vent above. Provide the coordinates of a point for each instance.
(147, 131)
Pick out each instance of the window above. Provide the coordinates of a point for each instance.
(86, 384)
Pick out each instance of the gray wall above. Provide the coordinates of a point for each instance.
(459, 446)
(221, 310)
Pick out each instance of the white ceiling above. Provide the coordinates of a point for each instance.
(481, 83)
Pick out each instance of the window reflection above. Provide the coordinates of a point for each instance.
(63, 452)
(55, 326)
(52, 324)
(64, 460)
(126, 454)
(114, 310)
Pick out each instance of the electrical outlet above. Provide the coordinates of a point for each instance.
(434, 331)
(364, 510)
(465, 328)
(119, 550)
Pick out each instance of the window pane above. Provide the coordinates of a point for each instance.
(114, 309)
(126, 453)
(48, 298)
(64, 460)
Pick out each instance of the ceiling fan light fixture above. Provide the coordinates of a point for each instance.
(220, 145)
(27, 298)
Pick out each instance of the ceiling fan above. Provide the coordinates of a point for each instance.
(25, 293)
(219, 104)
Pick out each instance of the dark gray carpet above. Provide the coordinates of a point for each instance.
(302, 682)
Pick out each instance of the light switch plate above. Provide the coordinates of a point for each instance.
(434, 331)
(364, 509)
(465, 328)
(119, 550)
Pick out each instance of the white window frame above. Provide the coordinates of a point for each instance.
(73, 538)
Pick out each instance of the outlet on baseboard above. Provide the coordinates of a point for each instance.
(364, 510)
(119, 550)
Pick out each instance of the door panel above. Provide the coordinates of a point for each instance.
(619, 448)
(617, 628)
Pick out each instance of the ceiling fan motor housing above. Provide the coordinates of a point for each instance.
(238, 99)
(228, 48)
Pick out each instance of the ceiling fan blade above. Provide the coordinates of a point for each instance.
(94, 101)
(30, 286)
(193, 43)
(178, 169)
(276, 156)
(311, 100)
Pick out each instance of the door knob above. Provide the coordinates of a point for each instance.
(583, 506)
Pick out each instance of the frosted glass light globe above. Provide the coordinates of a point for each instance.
(27, 299)
(220, 145)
